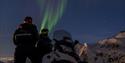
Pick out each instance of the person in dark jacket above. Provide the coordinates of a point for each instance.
(25, 38)
(44, 45)
(66, 46)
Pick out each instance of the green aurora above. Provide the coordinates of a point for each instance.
(52, 11)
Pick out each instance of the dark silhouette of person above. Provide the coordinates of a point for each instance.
(25, 38)
(44, 45)
(67, 42)
(66, 46)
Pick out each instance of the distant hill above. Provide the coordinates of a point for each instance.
(109, 50)
(117, 40)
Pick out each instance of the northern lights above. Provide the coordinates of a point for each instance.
(52, 11)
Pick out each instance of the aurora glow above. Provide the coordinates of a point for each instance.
(52, 11)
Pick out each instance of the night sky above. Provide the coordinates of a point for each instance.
(87, 20)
